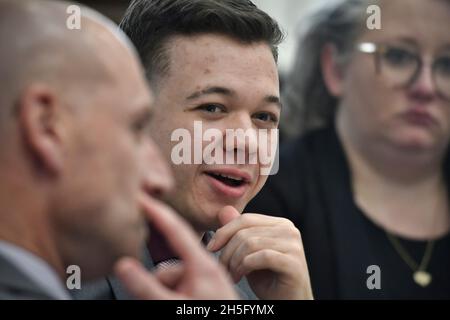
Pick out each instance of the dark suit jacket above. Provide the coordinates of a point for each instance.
(14, 285)
(111, 289)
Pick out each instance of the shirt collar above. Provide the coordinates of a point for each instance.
(36, 269)
(160, 250)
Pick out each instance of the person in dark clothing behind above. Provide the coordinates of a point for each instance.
(367, 181)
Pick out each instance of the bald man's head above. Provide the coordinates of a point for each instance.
(37, 45)
(74, 109)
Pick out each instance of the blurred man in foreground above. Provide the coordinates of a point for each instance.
(77, 165)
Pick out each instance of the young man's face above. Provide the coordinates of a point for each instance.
(224, 84)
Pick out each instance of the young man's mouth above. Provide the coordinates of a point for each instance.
(229, 182)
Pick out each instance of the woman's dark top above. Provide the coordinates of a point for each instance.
(313, 189)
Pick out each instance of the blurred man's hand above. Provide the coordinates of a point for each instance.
(197, 277)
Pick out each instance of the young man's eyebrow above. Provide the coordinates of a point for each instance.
(270, 99)
(211, 90)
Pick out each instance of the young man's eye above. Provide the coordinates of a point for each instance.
(212, 108)
(266, 117)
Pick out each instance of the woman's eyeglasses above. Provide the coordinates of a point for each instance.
(401, 66)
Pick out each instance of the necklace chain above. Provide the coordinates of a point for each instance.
(407, 257)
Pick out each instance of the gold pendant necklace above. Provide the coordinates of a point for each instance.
(420, 276)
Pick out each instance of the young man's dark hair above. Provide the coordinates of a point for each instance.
(151, 23)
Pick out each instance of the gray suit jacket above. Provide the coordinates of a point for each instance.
(111, 289)
(14, 285)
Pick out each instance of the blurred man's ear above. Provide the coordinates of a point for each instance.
(39, 113)
(331, 71)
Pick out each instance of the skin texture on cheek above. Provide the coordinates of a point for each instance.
(198, 63)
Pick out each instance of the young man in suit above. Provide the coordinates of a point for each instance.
(213, 64)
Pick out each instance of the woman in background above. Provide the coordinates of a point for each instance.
(367, 182)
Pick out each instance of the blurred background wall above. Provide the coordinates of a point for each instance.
(287, 13)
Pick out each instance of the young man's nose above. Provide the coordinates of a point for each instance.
(245, 135)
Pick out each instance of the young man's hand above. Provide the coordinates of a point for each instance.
(267, 250)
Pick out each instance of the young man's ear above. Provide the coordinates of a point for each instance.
(39, 110)
(331, 71)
